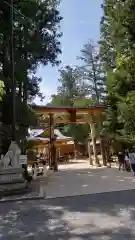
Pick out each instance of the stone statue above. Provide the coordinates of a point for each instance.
(12, 157)
(11, 171)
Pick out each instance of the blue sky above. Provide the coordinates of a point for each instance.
(80, 23)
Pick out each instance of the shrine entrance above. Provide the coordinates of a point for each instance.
(71, 115)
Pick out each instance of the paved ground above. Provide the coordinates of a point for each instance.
(79, 179)
(84, 215)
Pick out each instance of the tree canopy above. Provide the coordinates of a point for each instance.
(91, 72)
(1, 90)
(106, 74)
(36, 28)
(70, 93)
(117, 48)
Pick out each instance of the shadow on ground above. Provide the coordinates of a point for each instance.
(72, 162)
(107, 216)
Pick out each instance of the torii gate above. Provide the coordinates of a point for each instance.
(92, 113)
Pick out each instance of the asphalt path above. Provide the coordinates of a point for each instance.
(80, 204)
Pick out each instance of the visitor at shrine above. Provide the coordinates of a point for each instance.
(127, 161)
(132, 159)
(121, 160)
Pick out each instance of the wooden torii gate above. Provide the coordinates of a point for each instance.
(92, 114)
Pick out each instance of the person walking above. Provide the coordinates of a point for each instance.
(121, 160)
(132, 160)
(127, 162)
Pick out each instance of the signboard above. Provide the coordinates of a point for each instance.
(23, 159)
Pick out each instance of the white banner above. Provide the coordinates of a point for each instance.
(23, 159)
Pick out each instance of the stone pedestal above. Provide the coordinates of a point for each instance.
(11, 180)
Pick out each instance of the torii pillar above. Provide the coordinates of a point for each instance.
(53, 159)
(89, 151)
(93, 137)
(102, 144)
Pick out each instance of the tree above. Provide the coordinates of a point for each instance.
(57, 100)
(112, 33)
(126, 72)
(36, 41)
(71, 94)
(1, 90)
(79, 132)
(91, 72)
(117, 31)
(68, 90)
(70, 86)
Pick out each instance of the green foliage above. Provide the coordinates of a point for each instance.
(71, 93)
(1, 90)
(79, 132)
(70, 86)
(81, 87)
(36, 41)
(5, 137)
(83, 102)
(91, 72)
(117, 48)
(57, 100)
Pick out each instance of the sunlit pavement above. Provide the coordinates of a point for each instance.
(79, 179)
(81, 203)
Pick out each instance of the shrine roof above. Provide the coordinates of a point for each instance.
(35, 135)
(89, 109)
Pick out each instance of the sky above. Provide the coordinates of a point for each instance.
(81, 19)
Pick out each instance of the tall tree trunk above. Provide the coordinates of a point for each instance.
(93, 136)
(95, 79)
(25, 95)
(20, 92)
(6, 65)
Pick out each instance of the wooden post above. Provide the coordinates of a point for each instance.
(54, 156)
(53, 162)
(93, 136)
(51, 136)
(75, 155)
(102, 147)
(59, 153)
(90, 153)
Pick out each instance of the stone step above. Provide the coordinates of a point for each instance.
(11, 171)
(13, 192)
(10, 182)
(14, 186)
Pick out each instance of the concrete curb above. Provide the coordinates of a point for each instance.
(18, 195)
(13, 196)
(103, 167)
(22, 199)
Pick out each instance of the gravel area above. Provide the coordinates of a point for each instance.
(81, 203)
(102, 216)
